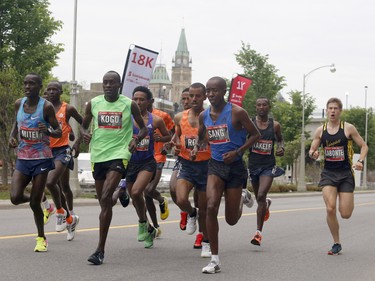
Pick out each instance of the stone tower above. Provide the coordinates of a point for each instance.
(181, 69)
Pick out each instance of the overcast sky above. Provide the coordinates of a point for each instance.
(298, 36)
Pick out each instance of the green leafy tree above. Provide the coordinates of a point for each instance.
(25, 46)
(289, 115)
(265, 80)
(357, 117)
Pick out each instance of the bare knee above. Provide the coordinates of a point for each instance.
(346, 214)
(15, 199)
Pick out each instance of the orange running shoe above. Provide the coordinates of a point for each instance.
(267, 215)
(257, 238)
(183, 220)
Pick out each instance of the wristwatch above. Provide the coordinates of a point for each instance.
(361, 161)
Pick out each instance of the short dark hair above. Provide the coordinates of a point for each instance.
(116, 73)
(198, 85)
(264, 98)
(145, 90)
(185, 90)
(56, 82)
(38, 78)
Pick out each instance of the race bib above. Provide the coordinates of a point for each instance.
(31, 135)
(144, 144)
(334, 153)
(263, 147)
(110, 120)
(218, 134)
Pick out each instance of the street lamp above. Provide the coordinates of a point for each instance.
(365, 164)
(301, 186)
(74, 184)
(346, 100)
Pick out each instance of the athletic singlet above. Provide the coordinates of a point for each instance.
(145, 148)
(112, 129)
(33, 144)
(338, 149)
(160, 158)
(222, 136)
(262, 152)
(188, 139)
(65, 127)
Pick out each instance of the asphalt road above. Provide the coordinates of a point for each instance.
(295, 244)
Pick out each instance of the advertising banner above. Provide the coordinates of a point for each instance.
(138, 70)
(239, 86)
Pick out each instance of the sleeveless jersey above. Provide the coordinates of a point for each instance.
(338, 149)
(112, 129)
(188, 139)
(33, 144)
(160, 158)
(222, 136)
(65, 127)
(145, 149)
(262, 152)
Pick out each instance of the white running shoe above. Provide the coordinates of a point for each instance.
(212, 267)
(247, 198)
(71, 228)
(206, 250)
(191, 225)
(60, 221)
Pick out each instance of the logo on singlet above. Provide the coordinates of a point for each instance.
(110, 120)
(31, 135)
(263, 147)
(334, 153)
(218, 134)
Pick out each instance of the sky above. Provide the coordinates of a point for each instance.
(297, 35)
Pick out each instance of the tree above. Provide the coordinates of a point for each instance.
(25, 37)
(289, 115)
(265, 81)
(25, 46)
(357, 117)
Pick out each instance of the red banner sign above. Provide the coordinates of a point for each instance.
(239, 86)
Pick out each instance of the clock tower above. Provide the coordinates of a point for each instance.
(181, 69)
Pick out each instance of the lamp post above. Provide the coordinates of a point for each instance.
(301, 186)
(74, 184)
(365, 164)
(346, 100)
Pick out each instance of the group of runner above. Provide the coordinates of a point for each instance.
(128, 139)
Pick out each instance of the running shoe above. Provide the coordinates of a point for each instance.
(142, 231)
(60, 221)
(164, 211)
(191, 225)
(247, 198)
(71, 228)
(48, 213)
(257, 239)
(158, 232)
(124, 197)
(267, 215)
(198, 241)
(183, 220)
(149, 241)
(212, 267)
(336, 249)
(96, 258)
(206, 250)
(41, 244)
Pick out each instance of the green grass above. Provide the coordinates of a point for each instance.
(4, 192)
